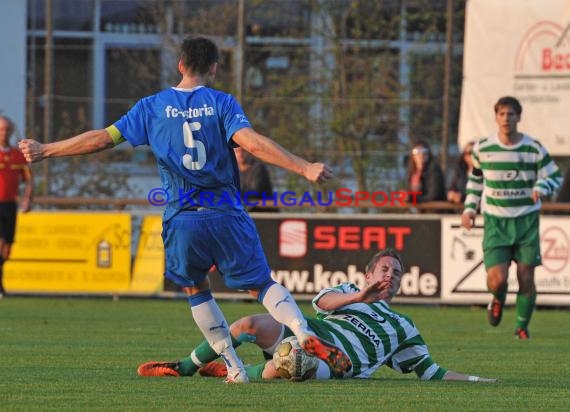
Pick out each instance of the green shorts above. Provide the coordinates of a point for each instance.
(507, 239)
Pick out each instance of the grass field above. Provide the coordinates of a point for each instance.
(82, 354)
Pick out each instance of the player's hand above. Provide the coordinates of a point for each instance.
(468, 220)
(536, 196)
(318, 173)
(454, 197)
(487, 380)
(25, 205)
(31, 149)
(375, 291)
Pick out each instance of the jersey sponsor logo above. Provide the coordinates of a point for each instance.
(361, 326)
(190, 112)
(242, 118)
(510, 175)
(509, 193)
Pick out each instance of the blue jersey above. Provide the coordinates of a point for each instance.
(189, 132)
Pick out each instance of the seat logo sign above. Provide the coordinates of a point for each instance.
(293, 238)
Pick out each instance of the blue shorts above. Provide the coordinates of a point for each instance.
(196, 240)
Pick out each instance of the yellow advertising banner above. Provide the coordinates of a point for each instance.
(70, 252)
(148, 267)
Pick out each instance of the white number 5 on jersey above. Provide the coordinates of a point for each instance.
(188, 161)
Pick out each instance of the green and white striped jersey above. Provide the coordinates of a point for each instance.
(373, 335)
(509, 174)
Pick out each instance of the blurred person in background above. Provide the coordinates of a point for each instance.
(511, 173)
(458, 184)
(13, 170)
(255, 181)
(425, 175)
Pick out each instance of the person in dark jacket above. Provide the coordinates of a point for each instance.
(425, 175)
(456, 190)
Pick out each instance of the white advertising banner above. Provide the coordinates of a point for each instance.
(519, 48)
(463, 277)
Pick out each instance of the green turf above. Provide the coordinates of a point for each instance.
(82, 354)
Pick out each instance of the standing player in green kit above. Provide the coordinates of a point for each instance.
(511, 173)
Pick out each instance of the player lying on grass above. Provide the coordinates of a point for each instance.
(360, 322)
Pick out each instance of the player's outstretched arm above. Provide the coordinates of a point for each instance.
(84, 143)
(454, 376)
(375, 291)
(270, 152)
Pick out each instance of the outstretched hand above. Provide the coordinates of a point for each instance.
(375, 291)
(487, 380)
(31, 149)
(318, 173)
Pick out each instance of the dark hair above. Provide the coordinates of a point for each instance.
(509, 101)
(386, 252)
(411, 164)
(198, 54)
(461, 163)
(11, 127)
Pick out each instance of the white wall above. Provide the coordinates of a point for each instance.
(13, 61)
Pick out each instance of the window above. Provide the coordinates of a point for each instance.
(272, 18)
(69, 15)
(72, 85)
(130, 75)
(133, 16)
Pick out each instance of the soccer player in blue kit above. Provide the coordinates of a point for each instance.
(192, 130)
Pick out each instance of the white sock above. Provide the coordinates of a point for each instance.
(212, 323)
(281, 305)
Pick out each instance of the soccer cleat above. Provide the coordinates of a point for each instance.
(337, 360)
(159, 369)
(495, 312)
(522, 334)
(237, 376)
(214, 369)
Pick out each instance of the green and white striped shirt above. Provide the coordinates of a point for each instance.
(509, 174)
(373, 335)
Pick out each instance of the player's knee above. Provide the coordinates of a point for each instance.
(247, 325)
(495, 283)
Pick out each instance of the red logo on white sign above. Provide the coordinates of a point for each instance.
(554, 244)
(293, 238)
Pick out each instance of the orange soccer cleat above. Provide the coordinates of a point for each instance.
(214, 369)
(337, 360)
(158, 369)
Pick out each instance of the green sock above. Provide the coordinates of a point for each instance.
(255, 371)
(204, 353)
(525, 307)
